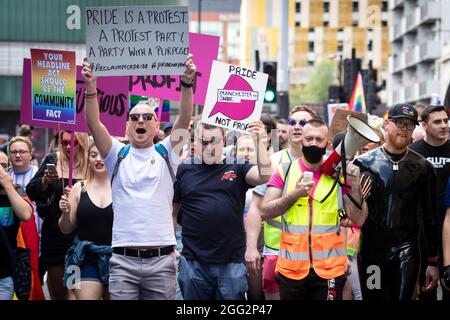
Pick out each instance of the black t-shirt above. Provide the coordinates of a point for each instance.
(10, 224)
(440, 158)
(212, 199)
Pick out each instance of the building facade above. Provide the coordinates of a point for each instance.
(420, 61)
(318, 30)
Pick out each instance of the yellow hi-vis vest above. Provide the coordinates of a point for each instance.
(272, 228)
(310, 237)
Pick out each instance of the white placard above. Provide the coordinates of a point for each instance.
(137, 40)
(235, 96)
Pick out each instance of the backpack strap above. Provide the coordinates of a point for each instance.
(122, 154)
(163, 153)
(126, 149)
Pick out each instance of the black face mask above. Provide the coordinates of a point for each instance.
(313, 154)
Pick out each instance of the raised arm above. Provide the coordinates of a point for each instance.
(185, 112)
(102, 138)
(260, 173)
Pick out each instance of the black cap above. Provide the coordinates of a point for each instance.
(403, 111)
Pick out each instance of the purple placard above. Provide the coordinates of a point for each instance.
(112, 98)
(205, 49)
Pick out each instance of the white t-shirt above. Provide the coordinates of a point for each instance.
(142, 194)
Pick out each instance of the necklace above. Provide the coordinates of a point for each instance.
(394, 163)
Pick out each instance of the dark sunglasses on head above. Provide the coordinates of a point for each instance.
(145, 116)
(293, 122)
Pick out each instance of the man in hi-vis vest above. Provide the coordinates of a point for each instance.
(312, 260)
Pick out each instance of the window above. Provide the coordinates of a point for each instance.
(340, 46)
(311, 63)
(326, 23)
(310, 46)
(311, 30)
(355, 23)
(326, 7)
(297, 7)
(384, 6)
(340, 29)
(369, 45)
(355, 6)
(384, 23)
(297, 23)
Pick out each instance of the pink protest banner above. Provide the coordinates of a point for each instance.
(112, 99)
(205, 49)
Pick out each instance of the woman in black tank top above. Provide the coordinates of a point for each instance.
(88, 210)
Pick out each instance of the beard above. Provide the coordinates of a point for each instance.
(398, 142)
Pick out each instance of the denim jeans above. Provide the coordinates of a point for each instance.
(6, 288)
(204, 281)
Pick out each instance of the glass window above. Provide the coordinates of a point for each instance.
(297, 7)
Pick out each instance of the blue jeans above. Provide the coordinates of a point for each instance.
(179, 248)
(204, 281)
(6, 288)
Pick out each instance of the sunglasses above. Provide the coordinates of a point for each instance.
(145, 116)
(66, 143)
(293, 122)
(213, 141)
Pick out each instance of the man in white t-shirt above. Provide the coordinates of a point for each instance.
(143, 264)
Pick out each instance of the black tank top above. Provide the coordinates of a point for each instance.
(94, 223)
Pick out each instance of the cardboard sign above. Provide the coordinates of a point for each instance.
(53, 86)
(339, 122)
(204, 49)
(235, 96)
(332, 107)
(137, 40)
(112, 99)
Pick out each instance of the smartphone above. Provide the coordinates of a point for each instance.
(307, 176)
(52, 168)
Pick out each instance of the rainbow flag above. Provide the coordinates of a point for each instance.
(358, 101)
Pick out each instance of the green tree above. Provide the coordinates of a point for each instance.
(316, 90)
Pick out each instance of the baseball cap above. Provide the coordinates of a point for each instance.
(403, 111)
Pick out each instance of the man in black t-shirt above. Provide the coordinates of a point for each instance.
(13, 208)
(436, 149)
(210, 197)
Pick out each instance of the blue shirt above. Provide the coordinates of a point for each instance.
(212, 199)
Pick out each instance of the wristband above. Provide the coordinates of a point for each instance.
(187, 85)
(88, 95)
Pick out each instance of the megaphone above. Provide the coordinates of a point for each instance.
(358, 135)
